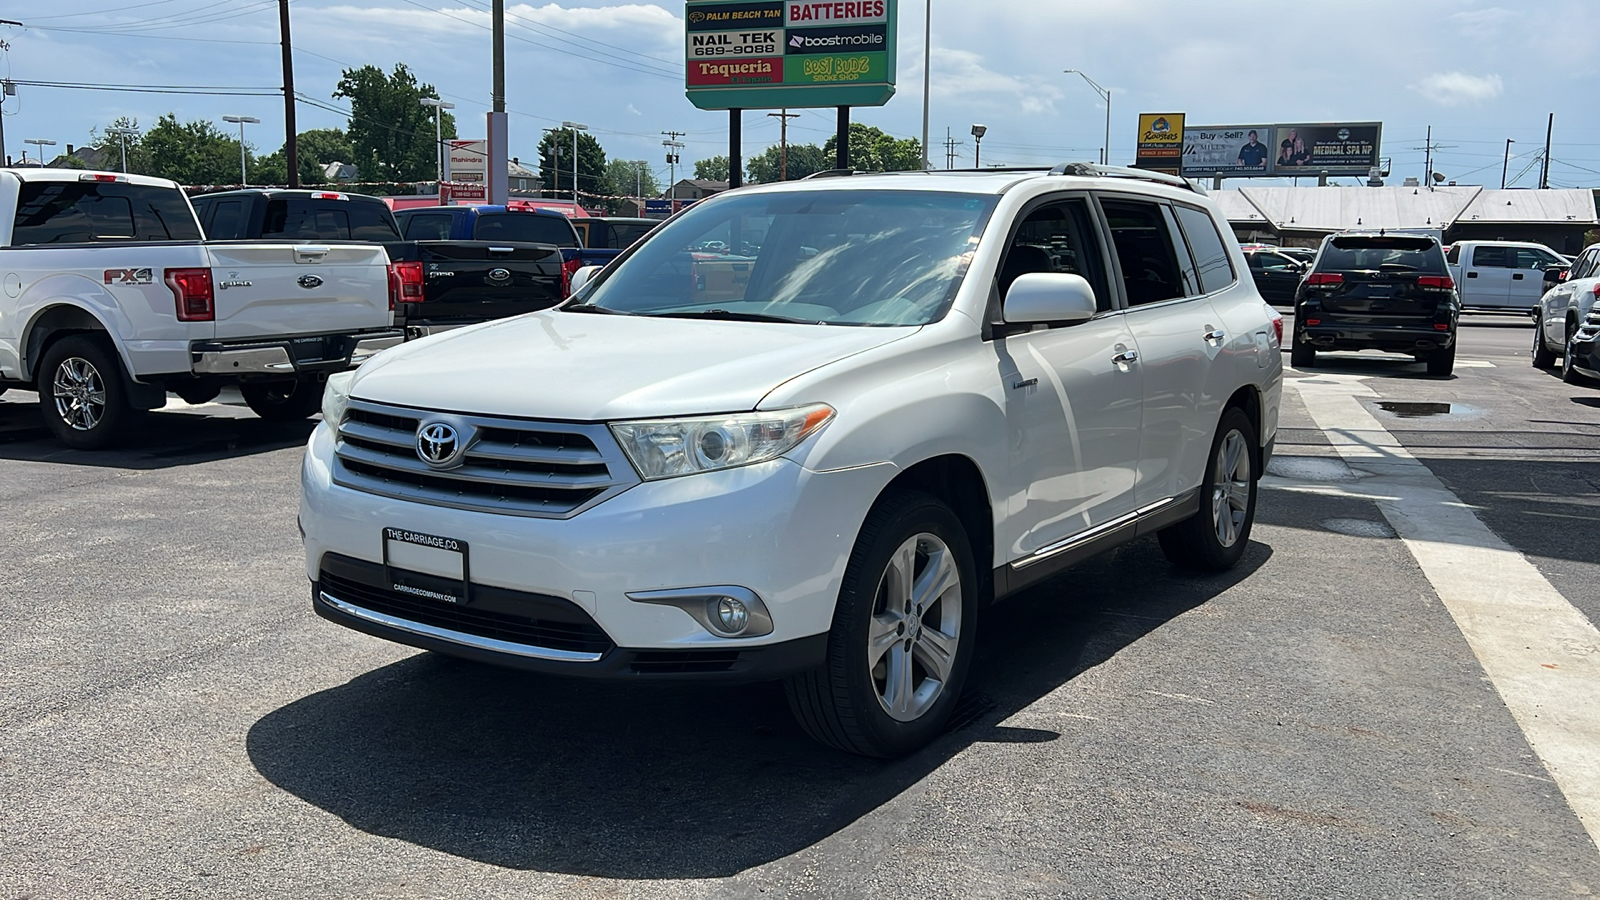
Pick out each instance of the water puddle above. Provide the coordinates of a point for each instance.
(1410, 410)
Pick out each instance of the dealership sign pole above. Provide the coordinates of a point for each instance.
(773, 54)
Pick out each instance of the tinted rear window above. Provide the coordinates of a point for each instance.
(425, 227)
(1399, 254)
(61, 212)
(306, 218)
(528, 228)
(624, 235)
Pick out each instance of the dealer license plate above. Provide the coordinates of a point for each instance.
(427, 566)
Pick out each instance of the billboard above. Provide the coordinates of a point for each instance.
(770, 54)
(1160, 143)
(1253, 151)
(467, 172)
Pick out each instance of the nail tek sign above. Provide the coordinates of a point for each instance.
(769, 54)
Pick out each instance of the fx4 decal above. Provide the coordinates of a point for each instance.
(128, 276)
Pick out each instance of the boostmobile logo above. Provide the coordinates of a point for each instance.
(800, 41)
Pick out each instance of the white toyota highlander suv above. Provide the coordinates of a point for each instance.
(804, 431)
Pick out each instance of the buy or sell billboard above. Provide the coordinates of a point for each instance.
(767, 54)
(1235, 151)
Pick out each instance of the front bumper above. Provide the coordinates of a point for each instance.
(1334, 335)
(290, 356)
(777, 529)
(1585, 350)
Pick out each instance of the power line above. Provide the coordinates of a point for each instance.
(660, 73)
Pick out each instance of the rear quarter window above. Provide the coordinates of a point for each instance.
(1210, 253)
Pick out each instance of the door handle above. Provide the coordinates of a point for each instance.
(1216, 334)
(1472, 274)
(1126, 356)
(1517, 277)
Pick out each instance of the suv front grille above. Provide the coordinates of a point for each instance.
(515, 467)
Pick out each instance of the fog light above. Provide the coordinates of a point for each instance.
(732, 615)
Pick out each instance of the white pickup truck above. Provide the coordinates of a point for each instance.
(1500, 275)
(110, 298)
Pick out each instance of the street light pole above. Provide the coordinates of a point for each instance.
(122, 134)
(575, 128)
(927, 66)
(241, 121)
(439, 106)
(1105, 149)
(41, 144)
(978, 131)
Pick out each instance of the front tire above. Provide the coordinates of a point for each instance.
(1213, 539)
(283, 401)
(902, 634)
(81, 394)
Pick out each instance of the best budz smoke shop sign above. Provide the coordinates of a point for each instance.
(766, 55)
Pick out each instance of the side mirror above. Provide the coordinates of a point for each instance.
(1049, 297)
(583, 276)
(1555, 274)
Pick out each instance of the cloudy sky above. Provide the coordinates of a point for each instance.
(1477, 72)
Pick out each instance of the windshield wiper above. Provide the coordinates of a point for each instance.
(1397, 267)
(727, 315)
(597, 310)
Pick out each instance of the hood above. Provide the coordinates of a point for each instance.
(581, 367)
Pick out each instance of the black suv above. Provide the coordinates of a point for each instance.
(1389, 292)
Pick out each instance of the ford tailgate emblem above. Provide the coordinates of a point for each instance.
(309, 281)
(499, 274)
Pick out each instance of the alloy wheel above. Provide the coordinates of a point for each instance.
(79, 394)
(916, 627)
(1230, 494)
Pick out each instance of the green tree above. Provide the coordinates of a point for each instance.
(804, 159)
(871, 150)
(627, 178)
(194, 152)
(316, 149)
(555, 163)
(714, 169)
(391, 132)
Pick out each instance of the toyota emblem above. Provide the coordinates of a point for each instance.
(499, 274)
(309, 281)
(439, 445)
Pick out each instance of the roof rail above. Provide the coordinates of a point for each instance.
(833, 173)
(1094, 170)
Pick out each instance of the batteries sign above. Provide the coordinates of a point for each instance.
(769, 54)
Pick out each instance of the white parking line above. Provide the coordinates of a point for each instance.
(1541, 653)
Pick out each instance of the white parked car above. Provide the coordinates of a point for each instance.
(1561, 312)
(111, 299)
(924, 392)
(1500, 275)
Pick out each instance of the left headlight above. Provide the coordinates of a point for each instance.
(668, 448)
(336, 397)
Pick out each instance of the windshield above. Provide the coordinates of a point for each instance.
(825, 257)
(1394, 253)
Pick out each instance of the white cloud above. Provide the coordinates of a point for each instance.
(961, 74)
(1459, 88)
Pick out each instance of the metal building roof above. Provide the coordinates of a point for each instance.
(1329, 209)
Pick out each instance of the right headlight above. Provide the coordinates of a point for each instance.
(336, 397)
(668, 448)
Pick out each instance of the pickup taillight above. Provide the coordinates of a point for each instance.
(405, 283)
(569, 268)
(191, 288)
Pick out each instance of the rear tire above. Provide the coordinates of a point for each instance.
(81, 393)
(1213, 539)
(1301, 356)
(283, 401)
(902, 634)
(1442, 362)
(1543, 356)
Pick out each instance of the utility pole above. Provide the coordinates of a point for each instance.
(574, 127)
(1430, 148)
(7, 89)
(950, 145)
(1507, 164)
(783, 142)
(499, 131)
(927, 66)
(1549, 130)
(673, 145)
(291, 150)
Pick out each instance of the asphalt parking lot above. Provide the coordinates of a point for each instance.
(1335, 718)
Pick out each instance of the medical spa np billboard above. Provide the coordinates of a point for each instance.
(1252, 151)
(766, 54)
